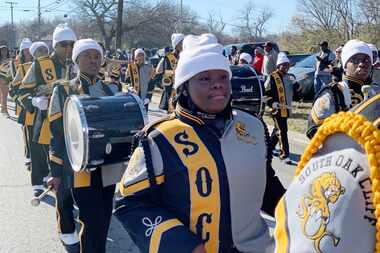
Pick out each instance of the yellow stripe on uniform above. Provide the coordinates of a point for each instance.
(29, 118)
(55, 159)
(281, 230)
(139, 186)
(45, 134)
(315, 118)
(55, 116)
(281, 94)
(203, 180)
(366, 104)
(155, 240)
(82, 179)
(135, 76)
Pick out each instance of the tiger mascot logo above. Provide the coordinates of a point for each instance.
(314, 208)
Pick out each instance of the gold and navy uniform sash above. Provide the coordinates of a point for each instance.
(200, 164)
(172, 60)
(48, 70)
(29, 116)
(281, 94)
(133, 70)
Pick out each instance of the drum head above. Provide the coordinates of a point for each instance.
(76, 133)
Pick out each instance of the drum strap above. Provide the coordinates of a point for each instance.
(150, 169)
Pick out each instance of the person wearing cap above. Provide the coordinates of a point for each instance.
(332, 203)
(5, 78)
(193, 185)
(270, 59)
(322, 74)
(91, 193)
(34, 93)
(245, 58)
(280, 88)
(341, 96)
(20, 66)
(140, 75)
(165, 70)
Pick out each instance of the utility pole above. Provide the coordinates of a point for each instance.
(119, 23)
(39, 19)
(13, 36)
(180, 14)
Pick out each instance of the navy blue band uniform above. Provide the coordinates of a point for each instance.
(330, 205)
(86, 186)
(280, 89)
(187, 184)
(165, 72)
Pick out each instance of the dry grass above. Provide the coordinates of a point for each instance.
(298, 121)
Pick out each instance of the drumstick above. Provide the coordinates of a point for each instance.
(37, 200)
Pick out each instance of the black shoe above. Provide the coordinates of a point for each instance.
(72, 248)
(37, 192)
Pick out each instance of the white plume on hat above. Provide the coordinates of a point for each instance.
(176, 39)
(25, 43)
(246, 57)
(353, 47)
(139, 51)
(282, 58)
(83, 45)
(62, 32)
(200, 53)
(35, 45)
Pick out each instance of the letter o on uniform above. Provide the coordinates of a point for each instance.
(204, 182)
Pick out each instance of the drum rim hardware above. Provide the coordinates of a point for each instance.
(85, 135)
(142, 107)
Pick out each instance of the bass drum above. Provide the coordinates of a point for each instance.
(247, 90)
(99, 130)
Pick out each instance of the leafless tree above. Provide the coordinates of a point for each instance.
(253, 21)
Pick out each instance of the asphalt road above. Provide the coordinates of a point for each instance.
(24, 228)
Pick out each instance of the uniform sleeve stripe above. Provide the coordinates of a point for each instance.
(281, 231)
(56, 159)
(155, 240)
(27, 85)
(139, 186)
(55, 116)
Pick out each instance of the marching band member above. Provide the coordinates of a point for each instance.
(194, 185)
(93, 198)
(5, 78)
(166, 68)
(357, 62)
(34, 94)
(140, 76)
(280, 88)
(332, 205)
(19, 66)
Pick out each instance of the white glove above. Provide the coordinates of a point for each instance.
(146, 101)
(41, 102)
(275, 105)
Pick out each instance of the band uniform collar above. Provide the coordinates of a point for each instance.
(353, 80)
(87, 79)
(186, 115)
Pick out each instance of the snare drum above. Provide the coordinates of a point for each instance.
(247, 90)
(99, 130)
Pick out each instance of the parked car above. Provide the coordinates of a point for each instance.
(304, 74)
(295, 58)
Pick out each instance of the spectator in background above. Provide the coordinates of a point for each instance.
(376, 64)
(245, 58)
(336, 67)
(270, 59)
(322, 68)
(259, 59)
(232, 55)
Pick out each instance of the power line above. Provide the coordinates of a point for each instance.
(13, 35)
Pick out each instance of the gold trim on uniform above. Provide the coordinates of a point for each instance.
(138, 186)
(281, 230)
(281, 94)
(159, 230)
(204, 199)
